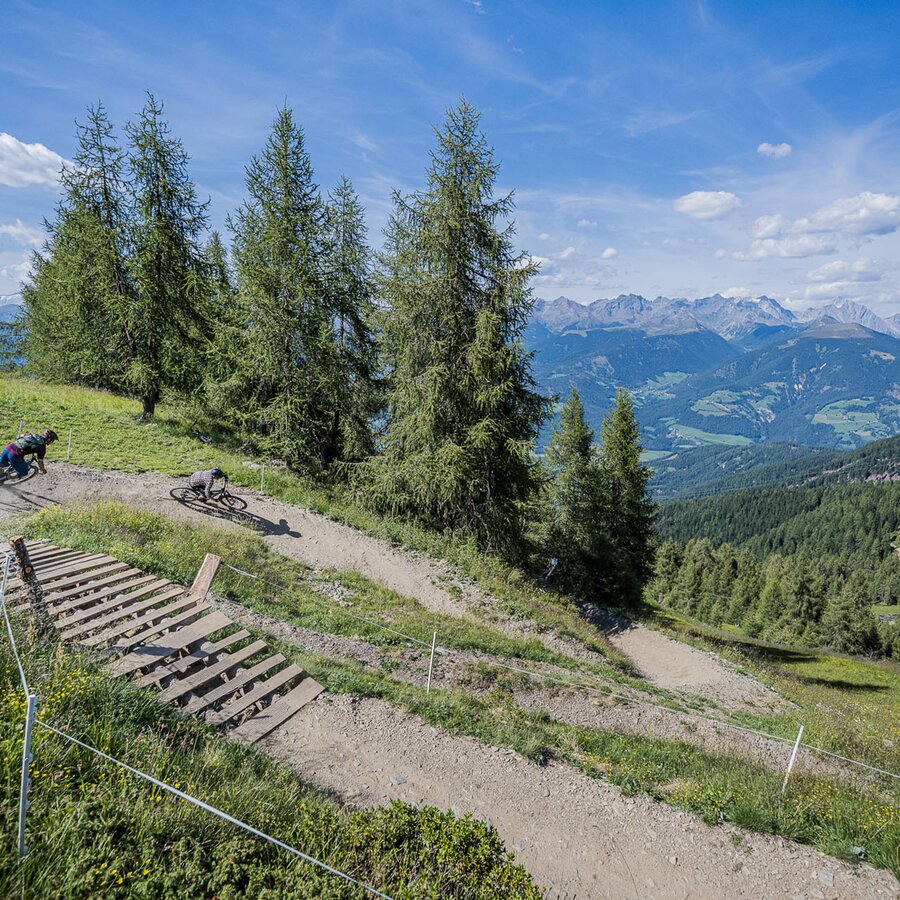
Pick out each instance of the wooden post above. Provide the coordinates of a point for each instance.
(262, 479)
(202, 583)
(431, 663)
(69, 450)
(33, 588)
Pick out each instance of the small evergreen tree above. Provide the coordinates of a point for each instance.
(577, 509)
(848, 624)
(167, 320)
(463, 408)
(632, 513)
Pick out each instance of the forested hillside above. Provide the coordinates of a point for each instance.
(810, 564)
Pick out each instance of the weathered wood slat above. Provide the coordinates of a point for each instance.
(119, 597)
(198, 704)
(210, 673)
(123, 645)
(154, 652)
(76, 568)
(116, 610)
(123, 628)
(258, 726)
(54, 557)
(90, 577)
(204, 652)
(262, 691)
(86, 599)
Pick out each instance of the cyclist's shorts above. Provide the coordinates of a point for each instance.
(19, 464)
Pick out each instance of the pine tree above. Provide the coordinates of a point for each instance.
(632, 513)
(848, 624)
(575, 528)
(357, 399)
(167, 321)
(463, 409)
(79, 295)
(281, 250)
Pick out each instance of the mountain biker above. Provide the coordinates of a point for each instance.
(201, 483)
(15, 452)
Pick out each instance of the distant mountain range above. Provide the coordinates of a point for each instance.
(719, 370)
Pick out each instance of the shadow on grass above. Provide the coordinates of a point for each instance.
(842, 685)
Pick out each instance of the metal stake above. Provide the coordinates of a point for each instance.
(69, 451)
(787, 774)
(27, 756)
(431, 663)
(19, 432)
(262, 478)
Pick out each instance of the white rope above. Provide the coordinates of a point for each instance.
(9, 631)
(217, 812)
(577, 684)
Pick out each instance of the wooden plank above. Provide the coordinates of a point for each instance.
(154, 652)
(91, 576)
(120, 598)
(204, 651)
(54, 557)
(280, 711)
(120, 630)
(87, 595)
(209, 673)
(260, 692)
(193, 612)
(203, 581)
(120, 612)
(196, 704)
(76, 568)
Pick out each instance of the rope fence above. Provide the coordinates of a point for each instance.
(604, 692)
(27, 758)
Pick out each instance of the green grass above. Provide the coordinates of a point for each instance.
(94, 828)
(109, 434)
(716, 786)
(708, 437)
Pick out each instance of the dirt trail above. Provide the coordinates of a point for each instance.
(578, 836)
(322, 543)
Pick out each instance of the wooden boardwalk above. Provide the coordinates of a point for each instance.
(166, 636)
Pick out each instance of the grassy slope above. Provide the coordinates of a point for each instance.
(109, 434)
(94, 828)
(714, 785)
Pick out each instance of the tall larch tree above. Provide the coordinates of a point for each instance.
(79, 294)
(462, 404)
(632, 513)
(281, 251)
(352, 288)
(168, 320)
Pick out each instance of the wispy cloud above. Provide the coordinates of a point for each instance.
(28, 165)
(707, 205)
(774, 151)
(23, 234)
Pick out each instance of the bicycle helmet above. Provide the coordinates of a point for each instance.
(218, 473)
(50, 435)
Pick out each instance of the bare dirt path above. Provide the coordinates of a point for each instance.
(578, 836)
(321, 543)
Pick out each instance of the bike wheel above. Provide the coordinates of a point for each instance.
(182, 494)
(235, 503)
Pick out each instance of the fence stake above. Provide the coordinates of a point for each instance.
(262, 478)
(19, 432)
(69, 451)
(431, 663)
(27, 756)
(787, 774)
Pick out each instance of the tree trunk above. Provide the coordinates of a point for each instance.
(148, 404)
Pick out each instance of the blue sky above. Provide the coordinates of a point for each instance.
(676, 147)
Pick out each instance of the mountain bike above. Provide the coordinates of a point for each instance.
(7, 471)
(221, 497)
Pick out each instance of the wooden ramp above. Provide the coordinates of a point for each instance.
(164, 635)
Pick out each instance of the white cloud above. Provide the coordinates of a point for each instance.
(565, 254)
(769, 226)
(17, 271)
(737, 293)
(586, 223)
(543, 236)
(788, 247)
(840, 270)
(774, 151)
(721, 254)
(365, 143)
(609, 253)
(23, 234)
(707, 205)
(541, 261)
(864, 214)
(26, 165)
